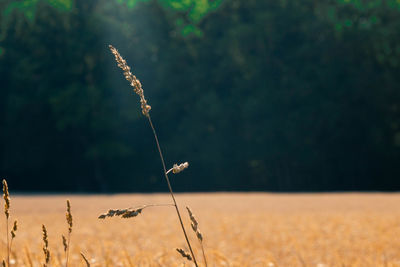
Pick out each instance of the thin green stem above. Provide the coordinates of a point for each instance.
(170, 190)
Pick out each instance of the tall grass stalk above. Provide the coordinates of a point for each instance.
(6, 197)
(137, 86)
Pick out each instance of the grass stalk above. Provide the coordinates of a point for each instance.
(170, 189)
(68, 216)
(137, 87)
(6, 197)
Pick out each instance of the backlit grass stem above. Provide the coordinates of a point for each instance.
(137, 87)
(170, 190)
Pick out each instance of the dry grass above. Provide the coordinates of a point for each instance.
(239, 230)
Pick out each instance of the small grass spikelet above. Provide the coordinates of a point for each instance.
(6, 197)
(178, 168)
(46, 251)
(194, 224)
(14, 229)
(129, 212)
(64, 241)
(196, 230)
(68, 216)
(124, 213)
(184, 254)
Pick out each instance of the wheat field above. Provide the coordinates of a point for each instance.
(240, 229)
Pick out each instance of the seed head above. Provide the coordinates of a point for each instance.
(124, 213)
(68, 216)
(45, 246)
(64, 241)
(6, 197)
(178, 168)
(184, 254)
(134, 82)
(14, 229)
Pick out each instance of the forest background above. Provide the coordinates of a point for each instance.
(298, 95)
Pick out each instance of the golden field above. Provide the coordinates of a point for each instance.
(240, 229)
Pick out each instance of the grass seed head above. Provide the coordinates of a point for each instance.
(134, 82)
(178, 168)
(195, 225)
(64, 241)
(14, 229)
(45, 246)
(124, 213)
(184, 254)
(68, 216)
(6, 197)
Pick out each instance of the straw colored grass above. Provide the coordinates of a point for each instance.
(240, 230)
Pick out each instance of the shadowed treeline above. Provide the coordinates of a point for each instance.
(257, 95)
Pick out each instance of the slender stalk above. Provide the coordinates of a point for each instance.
(67, 256)
(170, 189)
(204, 254)
(8, 245)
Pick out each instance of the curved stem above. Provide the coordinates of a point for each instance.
(170, 190)
(153, 205)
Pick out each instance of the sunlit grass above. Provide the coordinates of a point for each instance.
(238, 229)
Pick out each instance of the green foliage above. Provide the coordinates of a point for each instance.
(131, 3)
(28, 7)
(196, 10)
(275, 95)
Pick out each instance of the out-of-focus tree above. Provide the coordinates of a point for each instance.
(260, 95)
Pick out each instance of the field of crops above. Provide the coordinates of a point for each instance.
(253, 229)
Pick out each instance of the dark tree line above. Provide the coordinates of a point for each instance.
(272, 95)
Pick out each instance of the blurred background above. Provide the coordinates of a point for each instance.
(260, 95)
